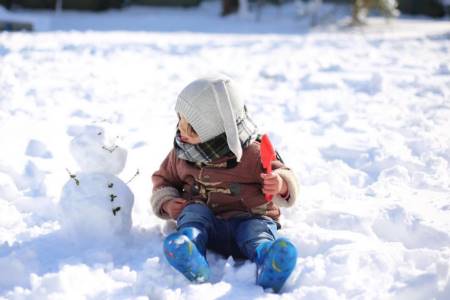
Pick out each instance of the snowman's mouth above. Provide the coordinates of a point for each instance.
(110, 149)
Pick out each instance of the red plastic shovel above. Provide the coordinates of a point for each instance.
(267, 156)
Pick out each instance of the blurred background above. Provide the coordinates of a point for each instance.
(16, 15)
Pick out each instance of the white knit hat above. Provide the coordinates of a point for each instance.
(212, 105)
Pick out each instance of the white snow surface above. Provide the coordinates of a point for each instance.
(360, 114)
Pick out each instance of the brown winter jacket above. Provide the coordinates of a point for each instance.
(228, 188)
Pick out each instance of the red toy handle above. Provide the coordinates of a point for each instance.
(268, 171)
(267, 156)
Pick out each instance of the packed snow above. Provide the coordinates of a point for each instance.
(361, 115)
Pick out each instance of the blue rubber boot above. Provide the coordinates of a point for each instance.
(184, 256)
(276, 263)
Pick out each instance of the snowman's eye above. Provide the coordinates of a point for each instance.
(99, 133)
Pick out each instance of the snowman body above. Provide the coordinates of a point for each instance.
(95, 202)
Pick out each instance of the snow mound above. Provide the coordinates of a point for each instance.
(38, 149)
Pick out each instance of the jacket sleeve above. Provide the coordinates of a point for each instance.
(292, 184)
(166, 184)
(289, 177)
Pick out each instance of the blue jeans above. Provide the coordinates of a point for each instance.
(238, 237)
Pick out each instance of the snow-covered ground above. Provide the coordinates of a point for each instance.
(362, 116)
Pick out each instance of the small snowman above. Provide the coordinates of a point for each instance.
(95, 202)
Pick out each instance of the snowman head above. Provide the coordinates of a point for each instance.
(96, 150)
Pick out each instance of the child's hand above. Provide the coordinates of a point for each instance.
(174, 207)
(274, 184)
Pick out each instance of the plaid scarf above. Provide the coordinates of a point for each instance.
(217, 147)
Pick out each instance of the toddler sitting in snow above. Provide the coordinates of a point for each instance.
(213, 183)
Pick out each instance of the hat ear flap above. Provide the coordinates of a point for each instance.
(228, 116)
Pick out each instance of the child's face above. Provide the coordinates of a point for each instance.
(188, 134)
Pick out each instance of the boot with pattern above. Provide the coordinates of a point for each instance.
(182, 254)
(276, 261)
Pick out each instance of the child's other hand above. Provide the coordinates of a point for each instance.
(174, 207)
(274, 184)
